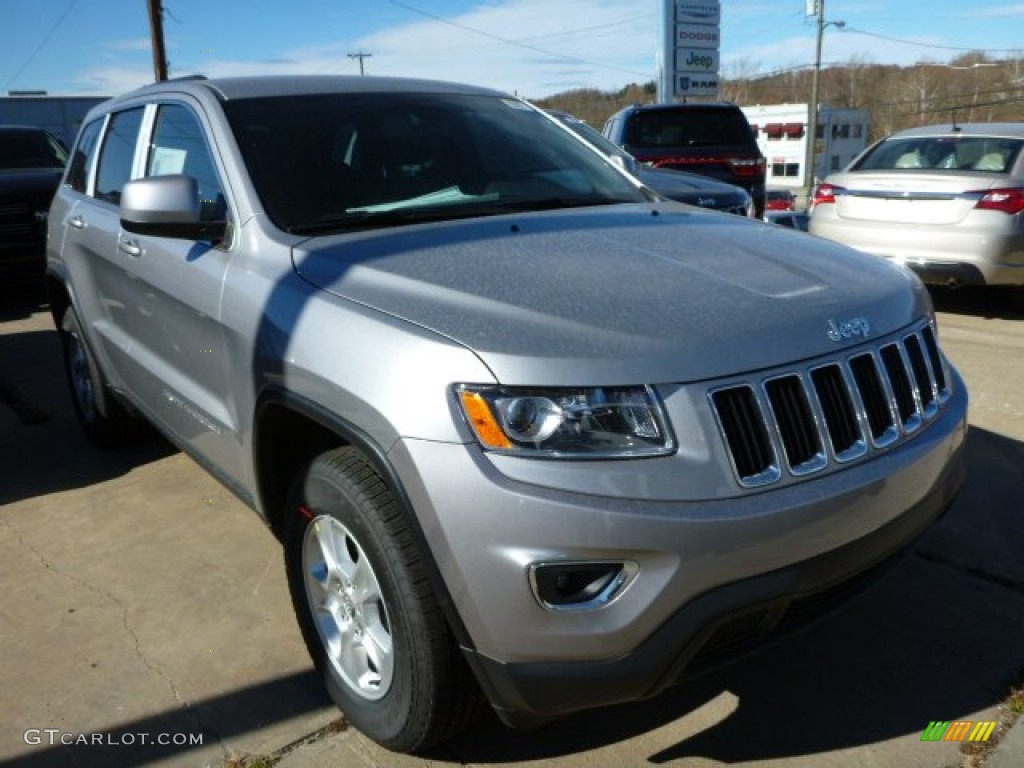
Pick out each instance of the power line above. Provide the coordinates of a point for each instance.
(931, 45)
(42, 43)
(516, 43)
(564, 35)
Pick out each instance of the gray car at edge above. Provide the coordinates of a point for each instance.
(530, 437)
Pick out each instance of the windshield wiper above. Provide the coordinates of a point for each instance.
(354, 220)
(390, 218)
(555, 203)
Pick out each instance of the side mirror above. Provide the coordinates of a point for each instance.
(167, 206)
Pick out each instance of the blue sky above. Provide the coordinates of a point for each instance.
(531, 47)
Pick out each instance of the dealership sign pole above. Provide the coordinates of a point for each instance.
(692, 39)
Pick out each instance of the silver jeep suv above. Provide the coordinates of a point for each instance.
(529, 434)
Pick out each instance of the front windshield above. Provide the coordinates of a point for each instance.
(343, 161)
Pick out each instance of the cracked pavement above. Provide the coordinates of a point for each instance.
(141, 597)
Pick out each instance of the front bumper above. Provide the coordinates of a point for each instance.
(716, 627)
(712, 574)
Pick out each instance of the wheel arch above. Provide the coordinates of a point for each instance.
(288, 432)
(58, 295)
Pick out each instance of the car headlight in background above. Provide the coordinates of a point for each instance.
(567, 422)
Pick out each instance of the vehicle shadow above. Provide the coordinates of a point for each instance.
(939, 638)
(21, 299)
(42, 450)
(980, 301)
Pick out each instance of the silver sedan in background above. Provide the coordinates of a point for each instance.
(947, 201)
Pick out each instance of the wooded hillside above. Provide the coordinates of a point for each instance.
(970, 88)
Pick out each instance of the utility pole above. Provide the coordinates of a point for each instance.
(812, 117)
(360, 56)
(156, 28)
(812, 108)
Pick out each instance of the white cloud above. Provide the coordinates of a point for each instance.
(532, 47)
(113, 80)
(138, 44)
(998, 12)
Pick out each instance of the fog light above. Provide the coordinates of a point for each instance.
(579, 586)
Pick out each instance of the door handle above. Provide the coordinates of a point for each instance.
(77, 222)
(130, 247)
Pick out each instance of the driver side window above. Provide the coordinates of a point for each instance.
(115, 164)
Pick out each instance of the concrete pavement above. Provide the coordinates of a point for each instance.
(143, 603)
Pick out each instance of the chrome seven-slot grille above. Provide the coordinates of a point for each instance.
(801, 422)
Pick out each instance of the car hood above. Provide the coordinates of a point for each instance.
(34, 185)
(682, 184)
(622, 295)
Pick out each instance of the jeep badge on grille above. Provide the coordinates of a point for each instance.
(839, 330)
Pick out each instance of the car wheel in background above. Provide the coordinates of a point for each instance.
(367, 610)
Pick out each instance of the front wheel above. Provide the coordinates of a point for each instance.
(366, 608)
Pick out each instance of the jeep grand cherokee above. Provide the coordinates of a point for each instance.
(527, 435)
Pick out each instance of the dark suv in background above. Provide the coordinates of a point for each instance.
(31, 164)
(682, 187)
(710, 139)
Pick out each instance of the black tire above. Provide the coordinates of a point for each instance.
(106, 422)
(419, 693)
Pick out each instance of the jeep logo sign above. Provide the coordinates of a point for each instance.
(695, 60)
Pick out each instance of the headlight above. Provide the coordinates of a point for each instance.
(571, 422)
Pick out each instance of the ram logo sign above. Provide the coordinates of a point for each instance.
(697, 86)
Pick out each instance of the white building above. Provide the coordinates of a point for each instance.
(781, 132)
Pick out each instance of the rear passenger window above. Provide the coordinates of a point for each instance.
(179, 147)
(115, 168)
(84, 157)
